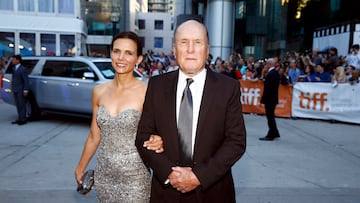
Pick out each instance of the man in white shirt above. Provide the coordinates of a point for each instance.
(196, 163)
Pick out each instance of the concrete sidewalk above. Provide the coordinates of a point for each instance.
(313, 161)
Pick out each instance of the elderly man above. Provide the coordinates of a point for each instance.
(198, 114)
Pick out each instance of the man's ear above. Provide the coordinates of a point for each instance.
(174, 50)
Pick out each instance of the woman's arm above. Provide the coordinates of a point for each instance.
(92, 141)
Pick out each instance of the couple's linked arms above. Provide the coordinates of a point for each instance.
(154, 143)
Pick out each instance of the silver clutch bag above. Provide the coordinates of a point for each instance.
(87, 182)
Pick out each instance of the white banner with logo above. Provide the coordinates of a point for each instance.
(324, 101)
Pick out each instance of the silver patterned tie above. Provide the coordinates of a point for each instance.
(185, 124)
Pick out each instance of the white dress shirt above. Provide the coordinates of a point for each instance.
(197, 88)
(17, 66)
(270, 69)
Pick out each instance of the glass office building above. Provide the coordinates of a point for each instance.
(41, 27)
(105, 18)
(58, 27)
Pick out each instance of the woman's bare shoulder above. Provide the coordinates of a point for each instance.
(142, 86)
(102, 87)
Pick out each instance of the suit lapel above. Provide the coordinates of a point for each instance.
(206, 102)
(169, 101)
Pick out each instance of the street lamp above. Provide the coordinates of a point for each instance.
(114, 19)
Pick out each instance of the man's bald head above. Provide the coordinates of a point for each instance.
(191, 23)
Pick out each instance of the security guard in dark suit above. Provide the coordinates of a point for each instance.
(20, 89)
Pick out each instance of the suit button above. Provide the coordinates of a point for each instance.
(195, 163)
(177, 163)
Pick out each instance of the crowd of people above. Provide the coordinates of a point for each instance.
(316, 66)
(3, 61)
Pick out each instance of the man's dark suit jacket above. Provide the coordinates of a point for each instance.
(20, 80)
(271, 88)
(220, 138)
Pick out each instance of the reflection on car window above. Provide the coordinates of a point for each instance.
(57, 68)
(78, 69)
(28, 64)
(108, 73)
(68, 69)
(106, 69)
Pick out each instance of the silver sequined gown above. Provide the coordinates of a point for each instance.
(120, 175)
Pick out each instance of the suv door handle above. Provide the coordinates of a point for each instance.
(73, 84)
(44, 82)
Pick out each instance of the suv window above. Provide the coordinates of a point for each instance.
(29, 64)
(68, 69)
(79, 68)
(106, 69)
(57, 68)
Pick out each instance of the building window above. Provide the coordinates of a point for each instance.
(159, 24)
(7, 44)
(141, 24)
(27, 44)
(46, 6)
(99, 28)
(142, 40)
(158, 42)
(26, 5)
(97, 50)
(47, 44)
(66, 6)
(240, 10)
(67, 44)
(7, 5)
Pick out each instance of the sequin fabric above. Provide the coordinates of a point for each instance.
(120, 175)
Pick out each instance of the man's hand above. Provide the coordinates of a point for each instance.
(155, 143)
(183, 179)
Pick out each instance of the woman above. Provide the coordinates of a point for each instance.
(309, 74)
(120, 174)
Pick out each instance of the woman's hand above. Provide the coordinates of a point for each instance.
(155, 143)
(78, 176)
